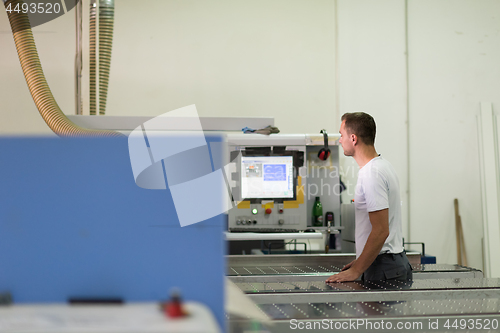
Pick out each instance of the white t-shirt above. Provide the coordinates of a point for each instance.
(378, 188)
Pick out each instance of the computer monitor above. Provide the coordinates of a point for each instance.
(267, 177)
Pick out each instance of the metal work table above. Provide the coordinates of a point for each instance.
(293, 288)
(427, 271)
(440, 301)
(321, 286)
(319, 291)
(271, 266)
(313, 260)
(380, 309)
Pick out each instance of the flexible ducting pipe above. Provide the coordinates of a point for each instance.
(92, 58)
(37, 84)
(105, 15)
(106, 23)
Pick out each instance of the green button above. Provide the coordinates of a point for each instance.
(254, 211)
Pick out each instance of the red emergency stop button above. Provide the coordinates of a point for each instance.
(269, 211)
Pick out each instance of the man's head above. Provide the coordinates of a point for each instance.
(357, 128)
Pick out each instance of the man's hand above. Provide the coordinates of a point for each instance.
(349, 274)
(348, 265)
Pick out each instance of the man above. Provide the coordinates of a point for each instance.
(379, 240)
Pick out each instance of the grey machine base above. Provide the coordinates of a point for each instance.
(292, 291)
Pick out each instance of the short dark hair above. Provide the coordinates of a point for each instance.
(362, 125)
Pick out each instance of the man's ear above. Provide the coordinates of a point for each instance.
(354, 139)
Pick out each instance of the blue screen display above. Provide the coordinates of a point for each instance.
(274, 172)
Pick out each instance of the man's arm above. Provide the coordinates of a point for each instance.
(380, 231)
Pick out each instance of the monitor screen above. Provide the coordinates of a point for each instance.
(267, 177)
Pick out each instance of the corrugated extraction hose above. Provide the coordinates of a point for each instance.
(92, 58)
(37, 84)
(105, 14)
(106, 23)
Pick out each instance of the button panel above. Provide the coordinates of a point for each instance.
(268, 220)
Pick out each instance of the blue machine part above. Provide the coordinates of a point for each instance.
(73, 223)
(427, 259)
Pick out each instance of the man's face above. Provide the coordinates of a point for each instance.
(345, 141)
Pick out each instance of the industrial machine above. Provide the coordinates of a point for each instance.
(77, 229)
(277, 178)
(291, 290)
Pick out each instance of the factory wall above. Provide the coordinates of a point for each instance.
(277, 58)
(453, 66)
(372, 78)
(230, 58)
(453, 49)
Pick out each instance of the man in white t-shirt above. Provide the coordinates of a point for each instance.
(379, 241)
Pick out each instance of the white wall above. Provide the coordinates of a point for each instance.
(277, 58)
(244, 58)
(229, 57)
(454, 65)
(372, 78)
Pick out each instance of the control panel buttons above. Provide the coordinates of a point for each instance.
(281, 221)
(269, 211)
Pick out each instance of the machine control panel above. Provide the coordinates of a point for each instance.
(250, 220)
(274, 180)
(267, 214)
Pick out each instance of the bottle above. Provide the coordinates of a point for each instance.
(317, 219)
